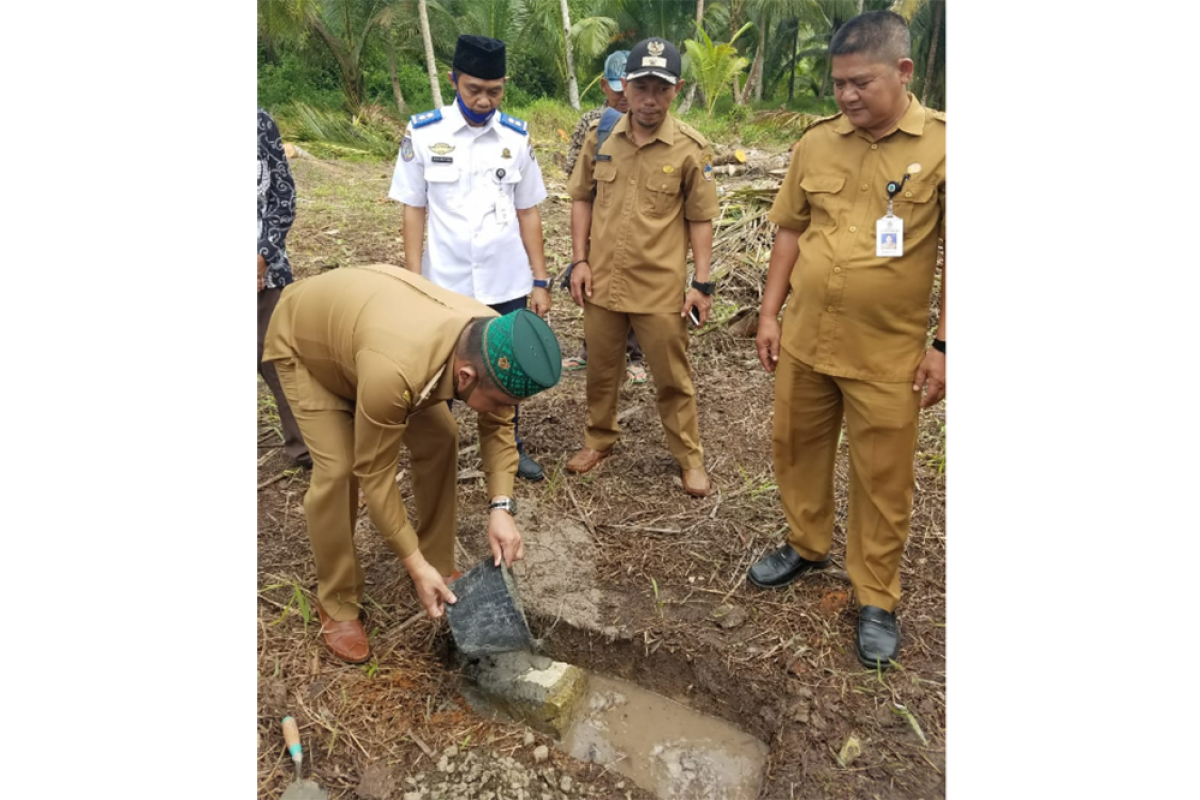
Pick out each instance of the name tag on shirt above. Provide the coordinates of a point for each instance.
(889, 236)
(504, 211)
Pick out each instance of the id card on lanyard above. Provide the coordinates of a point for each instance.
(889, 229)
(504, 208)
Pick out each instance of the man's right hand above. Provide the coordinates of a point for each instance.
(769, 334)
(262, 272)
(431, 589)
(581, 282)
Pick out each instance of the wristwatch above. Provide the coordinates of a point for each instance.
(705, 289)
(940, 345)
(509, 505)
(541, 284)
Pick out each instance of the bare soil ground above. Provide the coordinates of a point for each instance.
(787, 673)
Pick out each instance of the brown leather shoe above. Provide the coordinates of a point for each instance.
(586, 460)
(347, 640)
(696, 483)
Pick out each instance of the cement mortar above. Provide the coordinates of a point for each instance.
(530, 688)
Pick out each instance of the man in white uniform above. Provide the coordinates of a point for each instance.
(469, 170)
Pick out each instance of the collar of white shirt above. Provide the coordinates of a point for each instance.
(452, 116)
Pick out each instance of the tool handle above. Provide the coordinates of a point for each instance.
(291, 735)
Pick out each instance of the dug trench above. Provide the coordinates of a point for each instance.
(804, 697)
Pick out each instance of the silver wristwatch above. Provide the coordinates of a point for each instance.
(508, 505)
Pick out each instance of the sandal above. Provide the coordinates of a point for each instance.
(574, 364)
(636, 373)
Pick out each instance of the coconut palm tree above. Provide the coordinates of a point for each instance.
(572, 84)
(344, 27)
(714, 65)
(542, 34)
(765, 13)
(430, 63)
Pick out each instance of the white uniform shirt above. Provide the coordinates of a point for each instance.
(471, 180)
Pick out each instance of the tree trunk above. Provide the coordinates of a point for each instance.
(828, 60)
(430, 64)
(572, 84)
(754, 82)
(825, 78)
(792, 72)
(931, 62)
(401, 106)
(749, 87)
(690, 97)
(352, 78)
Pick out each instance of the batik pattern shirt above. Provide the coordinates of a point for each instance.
(580, 134)
(276, 202)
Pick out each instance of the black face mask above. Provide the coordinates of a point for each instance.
(465, 394)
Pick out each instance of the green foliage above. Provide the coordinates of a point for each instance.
(310, 80)
(294, 77)
(713, 66)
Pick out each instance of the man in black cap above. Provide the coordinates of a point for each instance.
(471, 173)
(639, 200)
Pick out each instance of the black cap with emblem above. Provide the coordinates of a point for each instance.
(479, 57)
(656, 57)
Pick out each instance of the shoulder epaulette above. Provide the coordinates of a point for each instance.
(518, 125)
(425, 118)
(933, 112)
(693, 134)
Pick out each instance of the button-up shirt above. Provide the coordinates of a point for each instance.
(642, 199)
(378, 342)
(851, 313)
(472, 180)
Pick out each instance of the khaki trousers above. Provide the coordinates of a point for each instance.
(881, 422)
(293, 441)
(664, 340)
(331, 503)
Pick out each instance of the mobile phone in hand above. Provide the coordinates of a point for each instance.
(694, 316)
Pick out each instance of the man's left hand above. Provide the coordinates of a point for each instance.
(931, 375)
(701, 301)
(540, 300)
(262, 272)
(504, 538)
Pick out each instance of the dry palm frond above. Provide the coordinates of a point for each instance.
(332, 133)
(797, 121)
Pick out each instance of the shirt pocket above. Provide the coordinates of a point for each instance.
(661, 196)
(821, 192)
(605, 174)
(506, 183)
(443, 180)
(917, 206)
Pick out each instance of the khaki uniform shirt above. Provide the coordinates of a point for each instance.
(642, 199)
(853, 314)
(378, 342)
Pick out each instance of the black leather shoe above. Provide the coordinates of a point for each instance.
(780, 567)
(878, 637)
(529, 469)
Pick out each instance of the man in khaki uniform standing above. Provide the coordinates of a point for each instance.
(859, 214)
(637, 203)
(368, 357)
